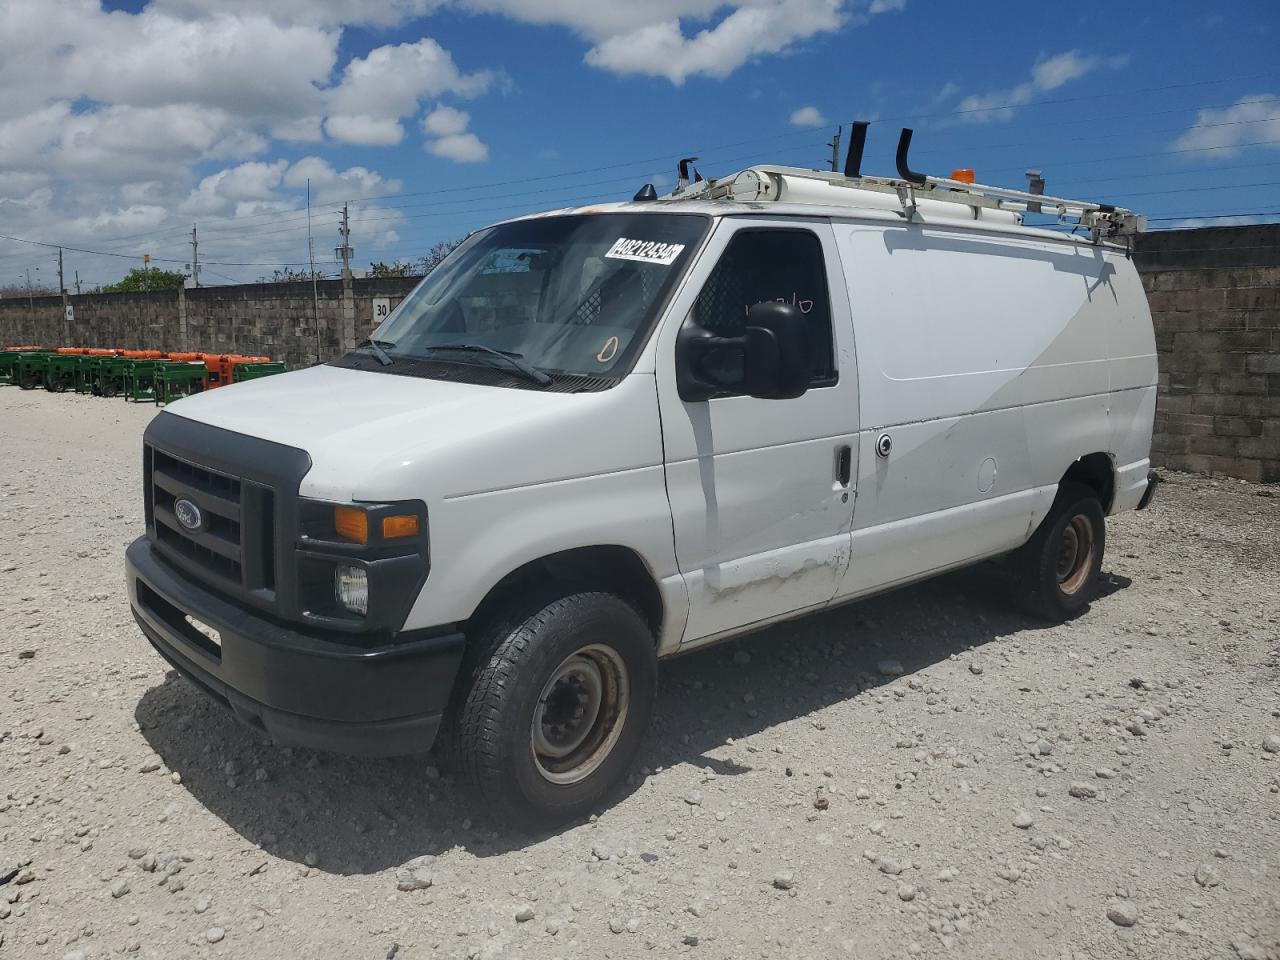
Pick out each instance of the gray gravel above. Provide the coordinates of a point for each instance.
(1110, 787)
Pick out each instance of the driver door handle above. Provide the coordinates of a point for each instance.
(844, 464)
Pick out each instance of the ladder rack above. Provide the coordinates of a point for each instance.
(1103, 221)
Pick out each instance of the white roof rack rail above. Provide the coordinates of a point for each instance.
(1102, 220)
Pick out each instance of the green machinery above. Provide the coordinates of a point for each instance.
(178, 379)
(30, 369)
(109, 376)
(8, 366)
(140, 378)
(62, 372)
(252, 371)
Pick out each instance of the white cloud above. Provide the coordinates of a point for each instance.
(251, 65)
(381, 13)
(364, 130)
(380, 89)
(329, 185)
(445, 121)
(1222, 133)
(807, 117)
(460, 148)
(649, 38)
(120, 142)
(600, 19)
(222, 191)
(664, 50)
(447, 136)
(1047, 75)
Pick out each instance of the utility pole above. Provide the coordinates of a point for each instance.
(31, 302)
(195, 258)
(344, 252)
(347, 313)
(77, 283)
(834, 144)
(311, 256)
(62, 289)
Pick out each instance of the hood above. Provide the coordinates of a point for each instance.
(376, 436)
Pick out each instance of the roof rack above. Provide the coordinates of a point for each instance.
(1103, 221)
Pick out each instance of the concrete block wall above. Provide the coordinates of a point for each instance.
(1215, 303)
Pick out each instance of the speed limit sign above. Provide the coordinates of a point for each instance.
(381, 309)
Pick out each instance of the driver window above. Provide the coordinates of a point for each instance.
(782, 265)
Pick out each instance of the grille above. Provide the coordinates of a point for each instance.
(216, 547)
(245, 490)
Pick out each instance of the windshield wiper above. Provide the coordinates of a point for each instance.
(527, 370)
(376, 346)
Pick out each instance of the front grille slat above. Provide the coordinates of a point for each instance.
(207, 539)
(205, 497)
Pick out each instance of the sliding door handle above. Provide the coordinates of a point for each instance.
(844, 464)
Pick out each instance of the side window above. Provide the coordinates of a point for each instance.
(783, 265)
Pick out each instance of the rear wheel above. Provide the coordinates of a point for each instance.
(556, 709)
(1055, 575)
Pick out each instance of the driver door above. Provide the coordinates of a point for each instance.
(761, 490)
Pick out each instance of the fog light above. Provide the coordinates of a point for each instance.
(351, 588)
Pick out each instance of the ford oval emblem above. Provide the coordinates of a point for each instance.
(188, 514)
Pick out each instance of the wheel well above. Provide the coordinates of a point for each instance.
(1095, 471)
(612, 569)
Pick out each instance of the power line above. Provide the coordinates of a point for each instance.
(271, 219)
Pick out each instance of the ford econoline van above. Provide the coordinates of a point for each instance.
(596, 438)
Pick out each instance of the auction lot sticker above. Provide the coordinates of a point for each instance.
(645, 251)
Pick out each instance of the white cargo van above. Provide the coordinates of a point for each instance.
(599, 437)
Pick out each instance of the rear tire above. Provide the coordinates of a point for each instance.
(554, 710)
(1055, 574)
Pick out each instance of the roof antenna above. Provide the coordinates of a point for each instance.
(645, 193)
(684, 172)
(904, 171)
(857, 143)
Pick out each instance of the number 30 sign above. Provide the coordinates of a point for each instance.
(381, 309)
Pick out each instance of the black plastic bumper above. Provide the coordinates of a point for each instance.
(1153, 481)
(300, 689)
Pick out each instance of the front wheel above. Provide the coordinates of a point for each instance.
(1055, 574)
(556, 709)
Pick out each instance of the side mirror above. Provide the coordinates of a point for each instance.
(769, 361)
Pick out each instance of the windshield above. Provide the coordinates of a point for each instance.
(571, 295)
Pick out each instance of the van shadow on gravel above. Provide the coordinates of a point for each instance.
(350, 816)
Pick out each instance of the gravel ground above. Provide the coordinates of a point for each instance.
(923, 774)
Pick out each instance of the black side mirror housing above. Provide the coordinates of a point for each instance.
(769, 361)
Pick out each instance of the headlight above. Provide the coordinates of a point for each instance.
(352, 524)
(351, 588)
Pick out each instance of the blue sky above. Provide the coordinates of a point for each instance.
(122, 125)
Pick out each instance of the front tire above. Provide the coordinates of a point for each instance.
(1055, 574)
(556, 709)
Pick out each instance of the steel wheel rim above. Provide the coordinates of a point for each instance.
(1075, 554)
(580, 714)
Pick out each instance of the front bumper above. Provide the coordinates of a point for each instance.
(300, 688)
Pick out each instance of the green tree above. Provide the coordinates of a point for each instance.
(286, 275)
(142, 279)
(398, 269)
(424, 265)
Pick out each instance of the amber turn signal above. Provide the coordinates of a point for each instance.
(403, 526)
(964, 175)
(351, 523)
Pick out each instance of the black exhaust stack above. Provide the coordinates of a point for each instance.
(904, 171)
(857, 142)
